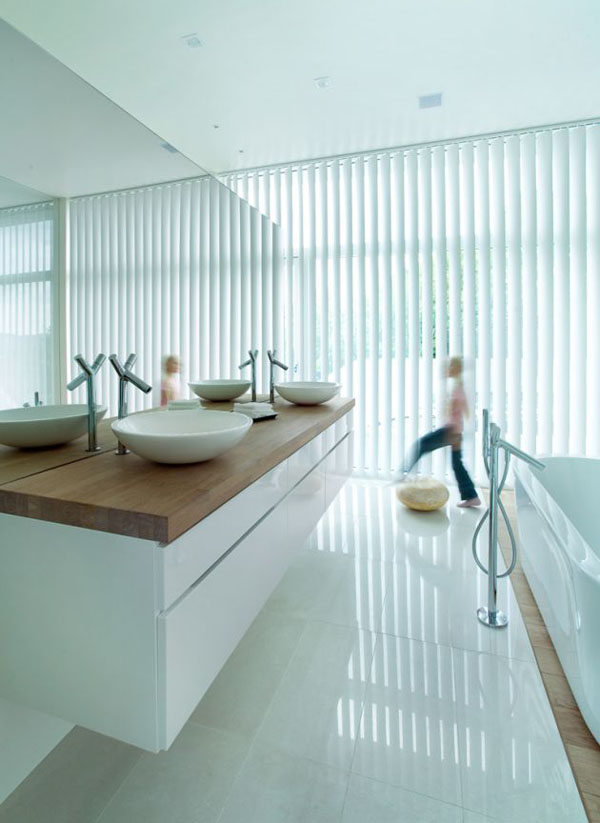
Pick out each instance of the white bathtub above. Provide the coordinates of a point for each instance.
(558, 512)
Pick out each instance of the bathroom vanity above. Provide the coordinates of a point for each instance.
(126, 584)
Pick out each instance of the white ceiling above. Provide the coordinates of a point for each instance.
(62, 137)
(14, 194)
(500, 64)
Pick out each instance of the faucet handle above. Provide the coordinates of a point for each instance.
(137, 381)
(117, 365)
(253, 355)
(272, 359)
(125, 373)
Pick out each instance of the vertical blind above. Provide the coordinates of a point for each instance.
(185, 268)
(28, 304)
(486, 248)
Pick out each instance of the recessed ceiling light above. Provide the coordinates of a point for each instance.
(168, 147)
(430, 101)
(192, 40)
(322, 82)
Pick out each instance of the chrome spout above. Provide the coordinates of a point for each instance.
(126, 376)
(88, 373)
(253, 357)
(272, 363)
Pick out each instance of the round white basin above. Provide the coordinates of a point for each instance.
(307, 393)
(181, 436)
(41, 426)
(216, 390)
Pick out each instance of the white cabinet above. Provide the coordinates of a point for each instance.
(124, 636)
(198, 634)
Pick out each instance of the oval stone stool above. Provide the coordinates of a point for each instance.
(425, 494)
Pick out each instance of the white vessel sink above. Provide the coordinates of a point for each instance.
(41, 426)
(307, 393)
(181, 436)
(220, 389)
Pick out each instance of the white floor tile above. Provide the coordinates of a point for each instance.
(273, 787)
(187, 784)
(370, 801)
(240, 695)
(468, 633)
(513, 765)
(408, 731)
(316, 710)
(337, 589)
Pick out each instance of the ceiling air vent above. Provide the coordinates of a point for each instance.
(430, 101)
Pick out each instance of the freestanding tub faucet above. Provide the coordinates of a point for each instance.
(272, 363)
(87, 376)
(252, 363)
(126, 376)
(492, 443)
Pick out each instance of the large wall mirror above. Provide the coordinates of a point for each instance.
(123, 245)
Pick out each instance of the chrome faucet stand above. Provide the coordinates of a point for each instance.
(126, 376)
(251, 361)
(272, 363)
(88, 373)
(491, 615)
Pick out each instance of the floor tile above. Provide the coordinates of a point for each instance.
(187, 784)
(468, 633)
(376, 802)
(316, 710)
(273, 787)
(239, 697)
(513, 765)
(337, 589)
(407, 734)
(73, 783)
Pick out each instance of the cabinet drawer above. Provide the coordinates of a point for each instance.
(187, 558)
(199, 633)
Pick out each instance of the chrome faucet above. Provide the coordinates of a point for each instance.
(87, 376)
(36, 401)
(491, 615)
(126, 376)
(272, 363)
(252, 363)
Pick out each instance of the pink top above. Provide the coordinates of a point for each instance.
(457, 408)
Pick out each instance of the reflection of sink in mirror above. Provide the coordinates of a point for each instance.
(305, 393)
(42, 426)
(217, 390)
(182, 436)
(422, 524)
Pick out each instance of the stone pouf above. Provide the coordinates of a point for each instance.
(425, 494)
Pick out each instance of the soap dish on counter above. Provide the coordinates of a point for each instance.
(256, 411)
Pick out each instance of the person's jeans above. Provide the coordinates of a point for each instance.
(439, 439)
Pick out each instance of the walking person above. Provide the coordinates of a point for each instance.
(450, 434)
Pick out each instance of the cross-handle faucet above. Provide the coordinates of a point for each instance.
(272, 363)
(88, 372)
(252, 363)
(126, 376)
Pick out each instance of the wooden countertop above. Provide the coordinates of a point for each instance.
(132, 496)
(16, 464)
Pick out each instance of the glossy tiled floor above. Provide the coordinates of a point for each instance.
(365, 692)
